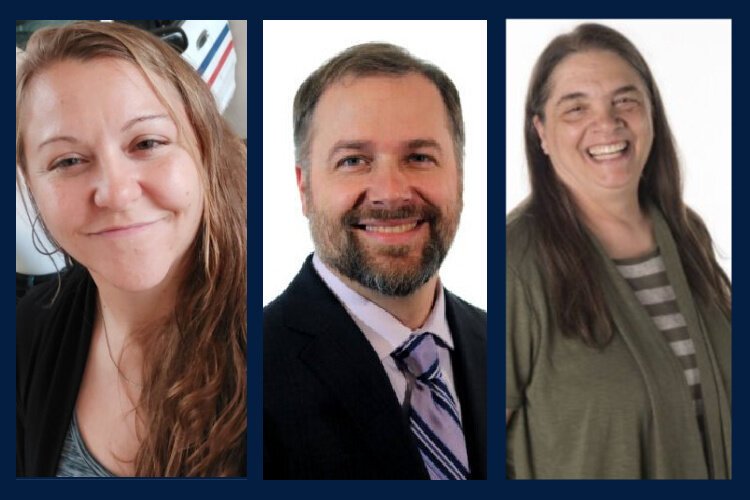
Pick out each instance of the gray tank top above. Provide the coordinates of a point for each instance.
(76, 460)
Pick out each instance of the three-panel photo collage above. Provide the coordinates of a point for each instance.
(389, 347)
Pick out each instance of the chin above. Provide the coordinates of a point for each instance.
(619, 183)
(133, 278)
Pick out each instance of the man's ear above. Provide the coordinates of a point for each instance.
(302, 187)
(539, 126)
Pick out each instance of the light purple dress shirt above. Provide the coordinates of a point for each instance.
(385, 333)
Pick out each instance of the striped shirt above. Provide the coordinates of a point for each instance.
(648, 278)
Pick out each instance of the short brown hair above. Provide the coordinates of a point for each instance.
(369, 59)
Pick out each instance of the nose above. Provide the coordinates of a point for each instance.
(607, 119)
(389, 183)
(118, 184)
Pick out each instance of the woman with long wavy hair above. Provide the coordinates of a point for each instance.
(618, 335)
(133, 363)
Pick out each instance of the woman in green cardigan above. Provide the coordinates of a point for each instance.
(618, 334)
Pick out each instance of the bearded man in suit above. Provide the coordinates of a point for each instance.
(371, 368)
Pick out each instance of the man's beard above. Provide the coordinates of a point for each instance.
(339, 247)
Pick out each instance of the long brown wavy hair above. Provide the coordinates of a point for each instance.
(566, 253)
(193, 405)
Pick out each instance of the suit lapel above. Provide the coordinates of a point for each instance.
(470, 377)
(342, 359)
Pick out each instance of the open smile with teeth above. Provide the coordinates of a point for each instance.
(402, 228)
(607, 151)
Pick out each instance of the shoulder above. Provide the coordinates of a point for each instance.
(465, 313)
(306, 306)
(526, 288)
(303, 290)
(50, 309)
(520, 234)
(273, 314)
(46, 302)
(53, 332)
(276, 333)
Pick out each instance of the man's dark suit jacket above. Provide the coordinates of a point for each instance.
(329, 410)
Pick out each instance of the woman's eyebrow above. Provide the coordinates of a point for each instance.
(128, 124)
(570, 97)
(625, 89)
(143, 118)
(63, 138)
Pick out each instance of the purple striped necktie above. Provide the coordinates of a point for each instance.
(433, 416)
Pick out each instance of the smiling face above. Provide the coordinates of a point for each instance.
(383, 192)
(597, 127)
(112, 179)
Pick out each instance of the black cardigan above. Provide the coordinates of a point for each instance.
(52, 345)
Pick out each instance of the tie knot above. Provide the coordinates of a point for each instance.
(419, 355)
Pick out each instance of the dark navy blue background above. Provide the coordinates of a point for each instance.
(495, 487)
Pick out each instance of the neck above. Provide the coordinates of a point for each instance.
(620, 224)
(127, 311)
(122, 315)
(411, 310)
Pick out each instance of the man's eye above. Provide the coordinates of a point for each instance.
(351, 161)
(421, 158)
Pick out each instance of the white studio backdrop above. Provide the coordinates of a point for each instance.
(294, 49)
(691, 61)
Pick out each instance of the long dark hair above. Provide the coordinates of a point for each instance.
(564, 249)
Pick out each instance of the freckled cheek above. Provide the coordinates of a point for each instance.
(63, 209)
(176, 184)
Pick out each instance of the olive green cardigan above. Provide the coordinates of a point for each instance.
(623, 411)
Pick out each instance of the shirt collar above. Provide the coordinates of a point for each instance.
(384, 331)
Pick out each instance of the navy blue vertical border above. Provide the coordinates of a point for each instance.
(254, 249)
(495, 487)
(495, 249)
(740, 212)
